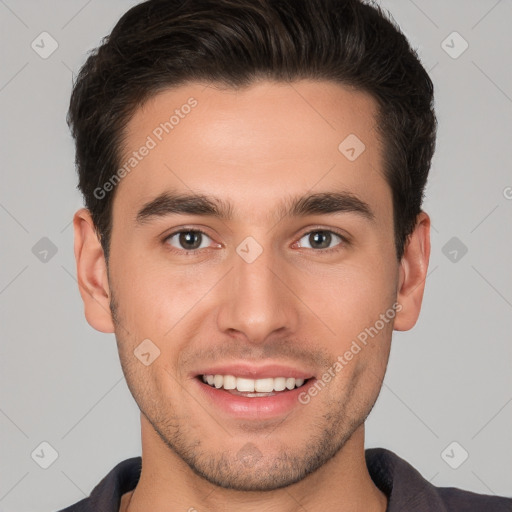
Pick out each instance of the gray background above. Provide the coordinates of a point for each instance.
(449, 379)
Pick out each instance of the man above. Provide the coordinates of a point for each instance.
(253, 172)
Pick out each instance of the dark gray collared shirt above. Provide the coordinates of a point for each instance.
(406, 489)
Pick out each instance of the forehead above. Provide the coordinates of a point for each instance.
(252, 146)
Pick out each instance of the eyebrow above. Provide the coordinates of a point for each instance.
(320, 203)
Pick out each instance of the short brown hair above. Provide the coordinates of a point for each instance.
(161, 44)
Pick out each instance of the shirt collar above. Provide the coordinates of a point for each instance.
(403, 485)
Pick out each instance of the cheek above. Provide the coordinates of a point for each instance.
(350, 298)
(155, 299)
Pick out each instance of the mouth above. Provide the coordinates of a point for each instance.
(252, 399)
(253, 388)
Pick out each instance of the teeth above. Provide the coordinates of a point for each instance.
(217, 381)
(264, 385)
(280, 384)
(229, 382)
(267, 385)
(243, 384)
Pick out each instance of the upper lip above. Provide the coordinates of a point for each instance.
(248, 371)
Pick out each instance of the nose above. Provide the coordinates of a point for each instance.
(258, 299)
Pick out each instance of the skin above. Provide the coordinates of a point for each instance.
(295, 304)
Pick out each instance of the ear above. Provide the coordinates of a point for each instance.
(412, 274)
(91, 271)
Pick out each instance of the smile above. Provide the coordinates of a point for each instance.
(253, 387)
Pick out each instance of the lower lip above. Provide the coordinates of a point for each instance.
(261, 407)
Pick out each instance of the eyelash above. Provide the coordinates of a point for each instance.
(193, 252)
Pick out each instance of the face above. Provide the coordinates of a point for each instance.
(252, 280)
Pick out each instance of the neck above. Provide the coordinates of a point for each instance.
(167, 483)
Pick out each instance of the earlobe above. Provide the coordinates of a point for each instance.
(91, 271)
(412, 274)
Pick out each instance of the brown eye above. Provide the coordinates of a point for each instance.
(321, 239)
(188, 240)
